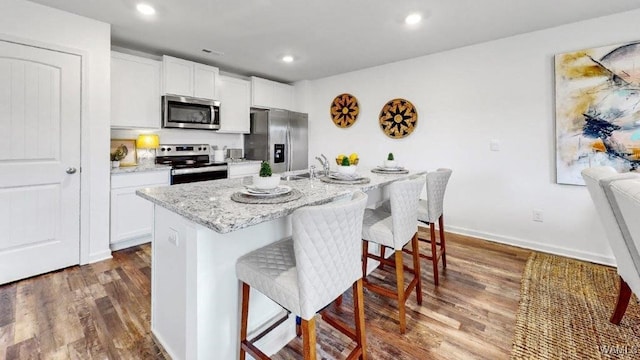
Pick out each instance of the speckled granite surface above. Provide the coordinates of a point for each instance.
(209, 203)
(132, 169)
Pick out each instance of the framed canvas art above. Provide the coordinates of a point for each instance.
(597, 110)
(127, 147)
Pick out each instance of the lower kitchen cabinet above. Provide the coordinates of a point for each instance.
(241, 169)
(131, 215)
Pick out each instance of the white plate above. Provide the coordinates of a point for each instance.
(345, 177)
(280, 190)
(390, 169)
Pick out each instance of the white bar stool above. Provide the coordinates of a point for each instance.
(306, 273)
(394, 230)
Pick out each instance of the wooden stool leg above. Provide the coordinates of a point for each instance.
(443, 247)
(400, 285)
(365, 256)
(338, 301)
(244, 318)
(416, 267)
(434, 253)
(382, 249)
(298, 328)
(309, 338)
(358, 311)
(623, 301)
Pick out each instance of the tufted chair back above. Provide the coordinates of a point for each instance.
(598, 180)
(436, 186)
(327, 245)
(403, 198)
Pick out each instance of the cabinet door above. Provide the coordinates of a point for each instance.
(271, 94)
(178, 76)
(235, 103)
(283, 94)
(205, 78)
(131, 215)
(261, 93)
(135, 92)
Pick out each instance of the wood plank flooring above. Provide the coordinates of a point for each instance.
(101, 311)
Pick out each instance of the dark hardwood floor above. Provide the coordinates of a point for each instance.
(101, 311)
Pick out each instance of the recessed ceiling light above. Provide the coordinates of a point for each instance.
(413, 19)
(287, 58)
(145, 9)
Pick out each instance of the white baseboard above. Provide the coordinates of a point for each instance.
(129, 243)
(556, 250)
(93, 258)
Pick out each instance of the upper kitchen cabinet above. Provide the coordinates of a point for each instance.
(135, 91)
(271, 94)
(235, 103)
(188, 78)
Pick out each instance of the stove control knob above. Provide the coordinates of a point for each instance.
(168, 149)
(162, 149)
(199, 149)
(204, 148)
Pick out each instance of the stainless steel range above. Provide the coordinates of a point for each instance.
(190, 163)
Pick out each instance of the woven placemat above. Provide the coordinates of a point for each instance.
(378, 171)
(564, 312)
(364, 180)
(294, 194)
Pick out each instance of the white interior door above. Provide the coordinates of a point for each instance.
(39, 151)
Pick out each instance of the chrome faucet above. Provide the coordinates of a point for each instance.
(325, 164)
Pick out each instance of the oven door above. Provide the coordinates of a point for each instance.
(182, 176)
(190, 113)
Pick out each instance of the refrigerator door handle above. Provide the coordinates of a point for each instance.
(288, 162)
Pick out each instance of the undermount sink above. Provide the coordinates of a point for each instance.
(295, 177)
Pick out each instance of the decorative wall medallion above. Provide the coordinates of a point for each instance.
(398, 118)
(344, 110)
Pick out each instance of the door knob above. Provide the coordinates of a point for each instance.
(71, 170)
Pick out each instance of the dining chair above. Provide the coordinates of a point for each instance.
(394, 230)
(307, 272)
(626, 195)
(599, 181)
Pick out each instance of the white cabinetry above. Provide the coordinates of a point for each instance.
(131, 215)
(187, 78)
(235, 103)
(271, 94)
(241, 169)
(135, 92)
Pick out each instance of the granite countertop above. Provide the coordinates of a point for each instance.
(139, 168)
(209, 203)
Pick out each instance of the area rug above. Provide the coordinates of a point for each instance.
(564, 312)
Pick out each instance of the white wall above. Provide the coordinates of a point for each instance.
(500, 90)
(46, 26)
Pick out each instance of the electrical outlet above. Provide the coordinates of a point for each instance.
(538, 216)
(173, 237)
(494, 145)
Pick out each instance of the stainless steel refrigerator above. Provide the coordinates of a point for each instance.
(279, 136)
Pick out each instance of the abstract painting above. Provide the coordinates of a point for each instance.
(597, 110)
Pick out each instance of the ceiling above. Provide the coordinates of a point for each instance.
(326, 37)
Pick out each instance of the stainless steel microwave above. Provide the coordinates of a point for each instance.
(190, 113)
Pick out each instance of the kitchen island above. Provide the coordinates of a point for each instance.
(199, 233)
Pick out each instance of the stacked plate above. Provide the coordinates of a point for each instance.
(391, 170)
(345, 177)
(252, 191)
